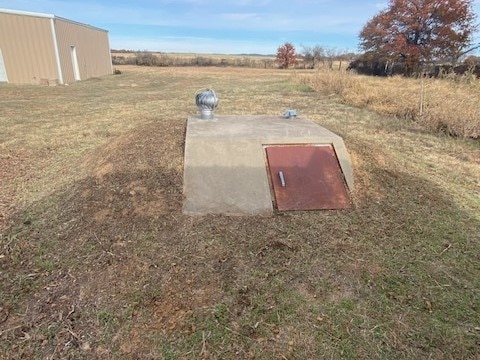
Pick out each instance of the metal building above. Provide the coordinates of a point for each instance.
(38, 48)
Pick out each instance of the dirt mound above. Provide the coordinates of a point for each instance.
(91, 262)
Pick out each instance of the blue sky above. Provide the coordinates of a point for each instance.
(215, 26)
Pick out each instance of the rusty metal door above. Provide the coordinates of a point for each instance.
(306, 177)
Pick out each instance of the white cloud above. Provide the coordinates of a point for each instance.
(239, 16)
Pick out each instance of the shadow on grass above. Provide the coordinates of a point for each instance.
(110, 267)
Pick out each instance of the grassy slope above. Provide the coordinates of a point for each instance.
(97, 259)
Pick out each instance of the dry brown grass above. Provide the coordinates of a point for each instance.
(97, 259)
(440, 105)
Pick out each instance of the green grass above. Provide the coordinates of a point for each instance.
(98, 261)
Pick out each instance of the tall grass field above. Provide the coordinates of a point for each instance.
(448, 105)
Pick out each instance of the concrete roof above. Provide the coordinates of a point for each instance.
(225, 166)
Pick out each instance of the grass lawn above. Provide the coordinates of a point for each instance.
(98, 261)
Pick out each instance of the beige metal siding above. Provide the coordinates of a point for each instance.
(91, 46)
(27, 48)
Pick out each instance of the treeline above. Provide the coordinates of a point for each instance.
(145, 58)
(310, 58)
(371, 64)
(313, 57)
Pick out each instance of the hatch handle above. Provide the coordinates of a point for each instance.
(282, 178)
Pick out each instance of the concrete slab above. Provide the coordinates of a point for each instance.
(225, 167)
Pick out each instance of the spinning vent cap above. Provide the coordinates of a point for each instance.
(207, 102)
(290, 113)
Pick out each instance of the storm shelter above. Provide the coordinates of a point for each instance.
(257, 164)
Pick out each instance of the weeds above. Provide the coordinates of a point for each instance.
(448, 105)
(107, 320)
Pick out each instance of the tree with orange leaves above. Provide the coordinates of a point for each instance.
(286, 56)
(416, 31)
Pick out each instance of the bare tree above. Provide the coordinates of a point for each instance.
(313, 54)
(330, 55)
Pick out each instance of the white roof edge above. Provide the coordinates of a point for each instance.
(48, 16)
(27, 13)
(78, 23)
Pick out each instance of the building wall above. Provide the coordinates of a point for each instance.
(31, 43)
(27, 48)
(91, 46)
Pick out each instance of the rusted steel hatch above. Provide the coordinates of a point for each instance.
(306, 177)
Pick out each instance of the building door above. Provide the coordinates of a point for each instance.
(306, 177)
(76, 69)
(3, 71)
